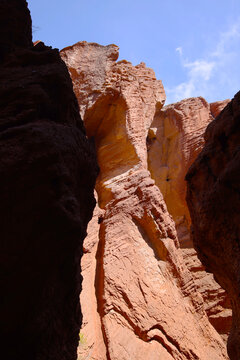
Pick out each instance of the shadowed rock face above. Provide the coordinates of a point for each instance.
(16, 26)
(139, 300)
(213, 200)
(47, 176)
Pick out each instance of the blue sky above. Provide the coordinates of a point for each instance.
(193, 46)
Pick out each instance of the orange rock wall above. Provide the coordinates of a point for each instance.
(175, 138)
(178, 138)
(139, 299)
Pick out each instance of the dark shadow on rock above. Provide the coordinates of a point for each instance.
(47, 175)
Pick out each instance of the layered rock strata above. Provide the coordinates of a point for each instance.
(144, 303)
(47, 177)
(213, 200)
(175, 138)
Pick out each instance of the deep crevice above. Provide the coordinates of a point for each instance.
(99, 283)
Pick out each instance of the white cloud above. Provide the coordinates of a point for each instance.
(225, 38)
(179, 50)
(198, 73)
(206, 76)
(200, 69)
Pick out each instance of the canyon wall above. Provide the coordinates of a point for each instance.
(139, 299)
(47, 176)
(213, 199)
(175, 138)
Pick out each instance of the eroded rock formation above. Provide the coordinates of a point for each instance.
(47, 176)
(217, 107)
(144, 302)
(175, 138)
(174, 141)
(213, 199)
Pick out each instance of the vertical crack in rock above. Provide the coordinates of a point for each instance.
(160, 252)
(91, 330)
(99, 284)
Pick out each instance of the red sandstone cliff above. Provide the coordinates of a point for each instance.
(174, 141)
(213, 199)
(139, 299)
(47, 177)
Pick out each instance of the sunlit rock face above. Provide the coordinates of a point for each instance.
(175, 138)
(47, 177)
(213, 200)
(143, 299)
(218, 106)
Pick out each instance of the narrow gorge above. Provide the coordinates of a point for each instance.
(119, 217)
(146, 295)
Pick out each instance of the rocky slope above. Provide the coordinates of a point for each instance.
(213, 199)
(47, 176)
(143, 301)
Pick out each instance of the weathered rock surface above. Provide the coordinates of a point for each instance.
(47, 176)
(216, 302)
(213, 200)
(218, 106)
(174, 141)
(144, 299)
